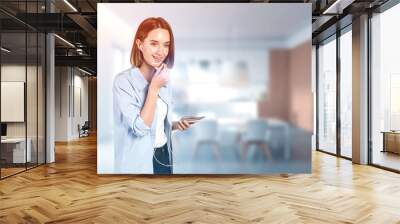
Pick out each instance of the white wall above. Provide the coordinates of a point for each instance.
(79, 117)
(70, 84)
(12, 73)
(61, 103)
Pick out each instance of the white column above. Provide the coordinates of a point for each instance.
(50, 108)
(360, 90)
(50, 92)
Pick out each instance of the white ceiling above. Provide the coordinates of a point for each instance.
(221, 21)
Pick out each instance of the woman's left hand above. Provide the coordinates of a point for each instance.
(180, 125)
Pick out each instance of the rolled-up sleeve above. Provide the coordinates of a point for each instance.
(128, 107)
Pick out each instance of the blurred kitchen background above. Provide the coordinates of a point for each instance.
(258, 108)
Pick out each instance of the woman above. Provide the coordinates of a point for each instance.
(143, 103)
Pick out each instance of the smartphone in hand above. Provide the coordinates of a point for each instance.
(192, 119)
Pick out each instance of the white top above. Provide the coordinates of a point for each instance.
(161, 112)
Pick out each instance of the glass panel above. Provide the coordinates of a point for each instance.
(31, 99)
(22, 89)
(327, 97)
(386, 89)
(41, 98)
(31, 85)
(13, 87)
(346, 94)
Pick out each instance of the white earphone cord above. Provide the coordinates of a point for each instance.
(162, 164)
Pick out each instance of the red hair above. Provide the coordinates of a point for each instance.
(144, 29)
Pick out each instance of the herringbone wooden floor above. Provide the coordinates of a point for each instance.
(70, 191)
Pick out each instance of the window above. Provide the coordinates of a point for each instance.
(385, 89)
(346, 93)
(327, 96)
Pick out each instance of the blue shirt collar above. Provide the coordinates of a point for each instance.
(140, 81)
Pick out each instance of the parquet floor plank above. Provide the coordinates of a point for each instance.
(70, 191)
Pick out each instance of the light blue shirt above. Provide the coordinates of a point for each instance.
(133, 139)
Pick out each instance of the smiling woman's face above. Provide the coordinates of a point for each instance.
(155, 47)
